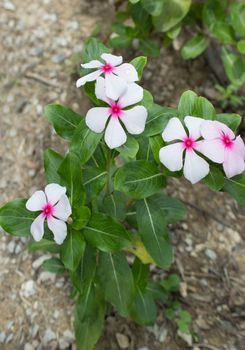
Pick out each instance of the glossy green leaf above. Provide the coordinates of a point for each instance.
(63, 119)
(237, 12)
(172, 209)
(203, 108)
(236, 187)
(116, 280)
(173, 11)
(44, 245)
(139, 64)
(115, 205)
(153, 230)
(70, 172)
(53, 265)
(241, 46)
(130, 148)
(52, 161)
(149, 47)
(93, 49)
(215, 179)
(84, 142)
(171, 283)
(154, 7)
(72, 249)
(157, 119)
(194, 47)
(16, 219)
(187, 103)
(80, 216)
(106, 234)
(94, 180)
(156, 143)
(147, 101)
(232, 120)
(139, 179)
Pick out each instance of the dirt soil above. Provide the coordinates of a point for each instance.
(38, 43)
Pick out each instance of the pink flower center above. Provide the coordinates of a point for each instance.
(116, 110)
(189, 143)
(48, 210)
(228, 143)
(107, 68)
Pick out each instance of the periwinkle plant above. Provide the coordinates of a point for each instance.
(105, 197)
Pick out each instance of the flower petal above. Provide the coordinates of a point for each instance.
(134, 119)
(115, 86)
(100, 90)
(92, 64)
(234, 164)
(96, 118)
(194, 126)
(112, 59)
(171, 156)
(62, 210)
(212, 129)
(239, 147)
(115, 136)
(54, 192)
(174, 130)
(89, 77)
(59, 229)
(195, 167)
(213, 149)
(132, 95)
(36, 201)
(37, 227)
(127, 72)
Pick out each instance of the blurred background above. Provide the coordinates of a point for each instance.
(40, 46)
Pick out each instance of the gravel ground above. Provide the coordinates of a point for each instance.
(39, 41)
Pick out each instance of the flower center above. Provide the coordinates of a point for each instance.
(107, 68)
(48, 210)
(115, 110)
(189, 143)
(228, 143)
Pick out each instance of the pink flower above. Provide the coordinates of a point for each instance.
(171, 156)
(222, 146)
(117, 75)
(55, 208)
(133, 119)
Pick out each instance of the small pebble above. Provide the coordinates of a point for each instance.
(211, 254)
(49, 335)
(9, 6)
(28, 346)
(28, 289)
(2, 337)
(122, 340)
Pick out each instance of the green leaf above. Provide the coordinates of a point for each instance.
(84, 142)
(194, 47)
(223, 32)
(72, 249)
(171, 284)
(44, 245)
(80, 217)
(94, 181)
(234, 66)
(82, 278)
(115, 205)
(116, 280)
(139, 179)
(241, 46)
(63, 119)
(237, 12)
(232, 120)
(143, 309)
(153, 230)
(89, 318)
(53, 265)
(203, 108)
(215, 179)
(16, 219)
(93, 49)
(172, 209)
(154, 7)
(236, 187)
(106, 234)
(134, 1)
(52, 161)
(147, 101)
(120, 41)
(139, 64)
(149, 47)
(157, 292)
(173, 11)
(70, 172)
(187, 103)
(130, 148)
(156, 143)
(157, 119)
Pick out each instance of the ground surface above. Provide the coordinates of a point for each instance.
(38, 40)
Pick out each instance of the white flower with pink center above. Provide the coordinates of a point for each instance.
(117, 75)
(182, 154)
(222, 146)
(54, 207)
(117, 114)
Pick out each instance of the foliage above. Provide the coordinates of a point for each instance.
(119, 208)
(198, 23)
